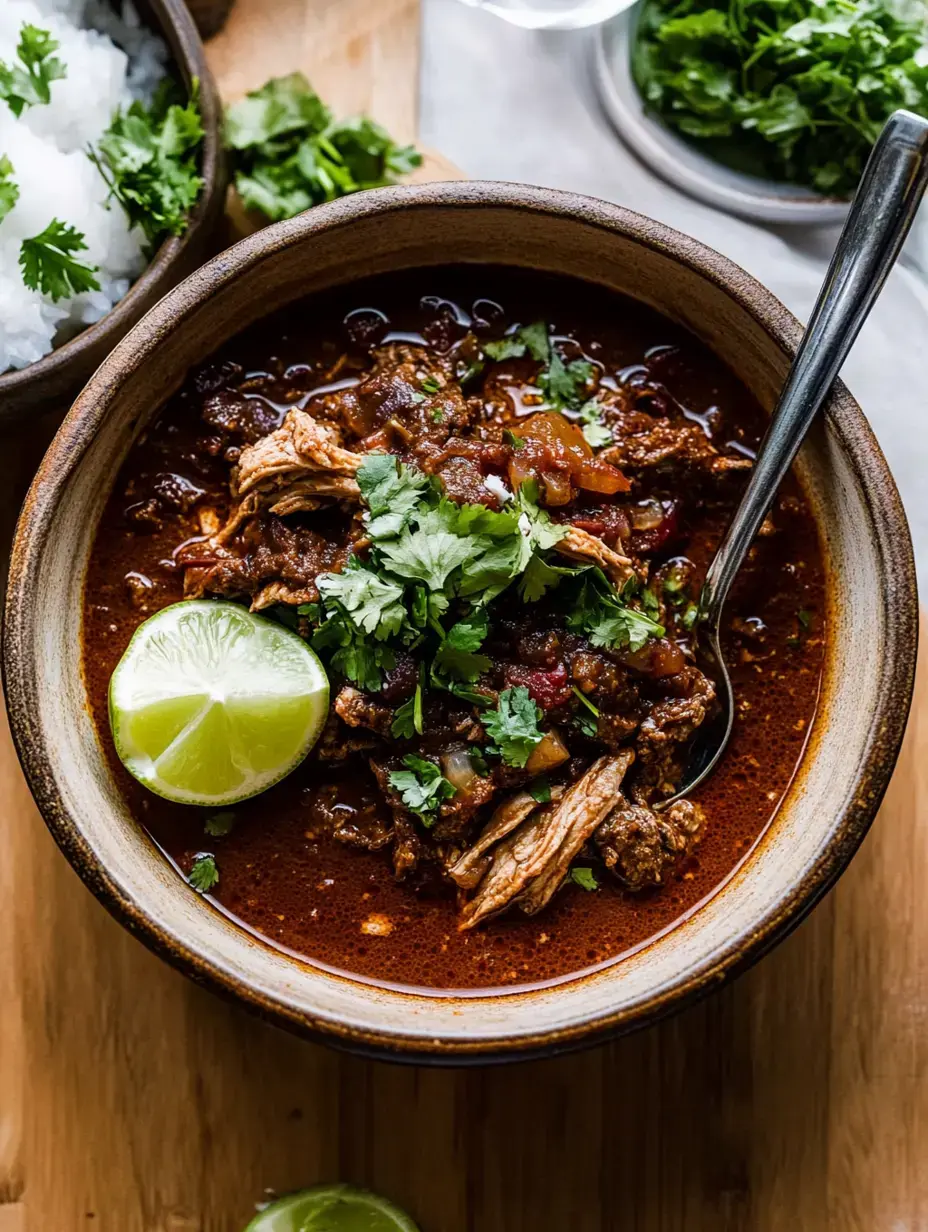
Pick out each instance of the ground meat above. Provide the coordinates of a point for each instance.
(645, 440)
(463, 482)
(408, 397)
(642, 848)
(359, 709)
(240, 419)
(408, 847)
(666, 731)
(457, 813)
(361, 825)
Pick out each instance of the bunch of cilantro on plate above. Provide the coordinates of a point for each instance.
(793, 90)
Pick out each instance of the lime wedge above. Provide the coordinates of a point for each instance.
(211, 704)
(332, 1208)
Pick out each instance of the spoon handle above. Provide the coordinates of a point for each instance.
(879, 220)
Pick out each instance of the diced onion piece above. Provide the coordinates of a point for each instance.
(657, 657)
(601, 477)
(458, 768)
(550, 752)
(557, 490)
(647, 515)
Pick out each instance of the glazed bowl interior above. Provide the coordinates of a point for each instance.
(871, 621)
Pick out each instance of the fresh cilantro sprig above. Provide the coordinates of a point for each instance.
(48, 266)
(563, 385)
(457, 657)
(373, 602)
(782, 88)
(203, 875)
(433, 566)
(584, 877)
(149, 158)
(28, 83)
(597, 611)
(289, 153)
(596, 434)
(422, 787)
(513, 726)
(218, 825)
(391, 490)
(9, 189)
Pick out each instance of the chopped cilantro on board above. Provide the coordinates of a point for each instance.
(289, 152)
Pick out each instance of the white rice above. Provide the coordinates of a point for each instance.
(109, 61)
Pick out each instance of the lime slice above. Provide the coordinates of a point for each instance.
(211, 704)
(332, 1208)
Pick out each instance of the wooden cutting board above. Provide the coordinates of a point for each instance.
(133, 1101)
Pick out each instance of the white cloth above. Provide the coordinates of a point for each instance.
(509, 104)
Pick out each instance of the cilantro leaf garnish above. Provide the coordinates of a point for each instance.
(203, 875)
(28, 83)
(422, 787)
(562, 384)
(428, 554)
(456, 656)
(149, 159)
(288, 152)
(355, 655)
(219, 824)
(582, 697)
(373, 603)
(513, 725)
(788, 91)
(403, 726)
(391, 490)
(539, 789)
(595, 432)
(9, 190)
(585, 878)
(604, 616)
(540, 576)
(47, 264)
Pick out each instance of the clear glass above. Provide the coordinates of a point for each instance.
(552, 14)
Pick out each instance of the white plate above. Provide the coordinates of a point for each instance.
(680, 163)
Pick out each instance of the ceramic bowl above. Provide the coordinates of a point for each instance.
(872, 618)
(51, 382)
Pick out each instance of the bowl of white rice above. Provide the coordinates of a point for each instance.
(79, 261)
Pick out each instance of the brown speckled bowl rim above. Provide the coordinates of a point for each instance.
(21, 671)
(180, 33)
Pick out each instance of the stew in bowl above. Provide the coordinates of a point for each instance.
(470, 448)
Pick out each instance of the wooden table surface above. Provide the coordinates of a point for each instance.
(133, 1101)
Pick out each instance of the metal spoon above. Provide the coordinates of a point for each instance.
(887, 199)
